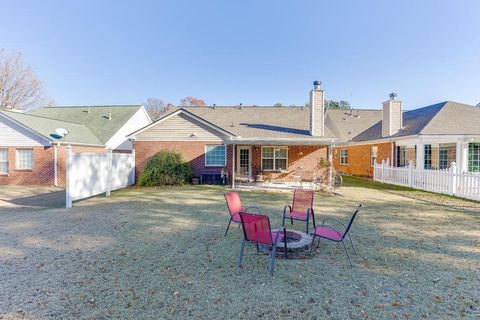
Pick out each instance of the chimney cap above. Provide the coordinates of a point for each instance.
(393, 96)
(317, 84)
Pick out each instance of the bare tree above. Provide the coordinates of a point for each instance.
(156, 108)
(19, 86)
(192, 102)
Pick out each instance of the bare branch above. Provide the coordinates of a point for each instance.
(19, 86)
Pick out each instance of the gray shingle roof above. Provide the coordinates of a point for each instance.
(260, 122)
(45, 127)
(441, 118)
(96, 120)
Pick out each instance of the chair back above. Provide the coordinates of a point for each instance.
(302, 200)
(351, 220)
(233, 203)
(256, 228)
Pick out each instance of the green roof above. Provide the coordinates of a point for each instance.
(77, 133)
(94, 118)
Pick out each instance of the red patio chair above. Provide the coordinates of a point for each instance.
(234, 208)
(301, 208)
(332, 234)
(256, 229)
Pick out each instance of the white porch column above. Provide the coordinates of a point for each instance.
(462, 155)
(420, 156)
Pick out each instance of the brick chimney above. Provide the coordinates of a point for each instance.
(317, 110)
(392, 120)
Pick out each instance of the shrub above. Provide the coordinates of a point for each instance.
(166, 168)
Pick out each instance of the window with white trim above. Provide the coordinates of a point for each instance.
(215, 155)
(274, 158)
(3, 161)
(24, 159)
(474, 157)
(373, 154)
(344, 156)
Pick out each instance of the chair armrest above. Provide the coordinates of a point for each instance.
(333, 219)
(280, 231)
(253, 207)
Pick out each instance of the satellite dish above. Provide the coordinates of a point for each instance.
(61, 132)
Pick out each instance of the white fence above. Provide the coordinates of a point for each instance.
(448, 181)
(90, 174)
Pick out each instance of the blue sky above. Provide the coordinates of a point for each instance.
(253, 52)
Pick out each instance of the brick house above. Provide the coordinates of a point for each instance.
(275, 144)
(431, 137)
(33, 145)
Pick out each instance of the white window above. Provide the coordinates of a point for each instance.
(24, 159)
(215, 155)
(274, 158)
(344, 156)
(3, 161)
(374, 155)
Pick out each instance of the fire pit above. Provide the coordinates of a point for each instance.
(298, 245)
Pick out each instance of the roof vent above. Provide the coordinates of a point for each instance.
(88, 110)
(109, 117)
(393, 96)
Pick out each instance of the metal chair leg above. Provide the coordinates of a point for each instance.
(228, 227)
(348, 256)
(272, 265)
(306, 226)
(354, 250)
(285, 242)
(239, 264)
(312, 245)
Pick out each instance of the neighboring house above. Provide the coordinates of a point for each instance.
(431, 137)
(267, 143)
(33, 146)
(285, 143)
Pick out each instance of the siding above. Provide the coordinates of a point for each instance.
(12, 135)
(136, 122)
(180, 128)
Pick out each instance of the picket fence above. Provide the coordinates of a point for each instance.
(448, 181)
(90, 174)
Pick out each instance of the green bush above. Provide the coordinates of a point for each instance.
(166, 168)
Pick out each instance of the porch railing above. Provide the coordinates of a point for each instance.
(447, 181)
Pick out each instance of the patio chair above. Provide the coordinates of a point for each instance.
(234, 208)
(256, 230)
(301, 208)
(332, 234)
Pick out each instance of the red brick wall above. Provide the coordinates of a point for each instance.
(194, 152)
(43, 167)
(359, 158)
(42, 173)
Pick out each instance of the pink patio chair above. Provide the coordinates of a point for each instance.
(256, 230)
(234, 208)
(332, 234)
(301, 208)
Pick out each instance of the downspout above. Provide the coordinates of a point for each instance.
(330, 161)
(233, 166)
(55, 164)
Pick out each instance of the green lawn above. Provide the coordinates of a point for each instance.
(160, 253)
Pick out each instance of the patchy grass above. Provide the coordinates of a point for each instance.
(160, 253)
